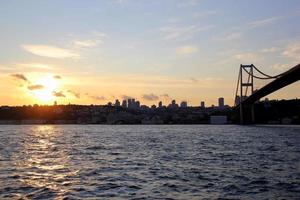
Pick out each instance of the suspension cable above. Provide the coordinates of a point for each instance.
(256, 76)
(267, 74)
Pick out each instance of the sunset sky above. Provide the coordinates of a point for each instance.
(92, 52)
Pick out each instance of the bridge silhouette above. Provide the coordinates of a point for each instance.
(245, 103)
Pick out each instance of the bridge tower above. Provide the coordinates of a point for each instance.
(245, 83)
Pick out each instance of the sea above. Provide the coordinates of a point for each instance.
(149, 162)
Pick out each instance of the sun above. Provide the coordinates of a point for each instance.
(45, 95)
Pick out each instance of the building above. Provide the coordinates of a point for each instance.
(160, 104)
(138, 104)
(183, 104)
(202, 104)
(124, 104)
(221, 102)
(117, 103)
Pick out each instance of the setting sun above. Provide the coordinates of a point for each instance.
(45, 95)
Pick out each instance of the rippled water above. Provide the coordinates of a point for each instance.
(152, 162)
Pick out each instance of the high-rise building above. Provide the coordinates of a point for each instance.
(129, 104)
(183, 104)
(138, 104)
(117, 103)
(221, 102)
(124, 104)
(160, 104)
(202, 104)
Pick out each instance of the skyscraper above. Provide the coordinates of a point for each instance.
(221, 102)
(160, 104)
(202, 104)
(117, 103)
(183, 104)
(124, 104)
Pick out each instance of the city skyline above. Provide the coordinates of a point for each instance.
(96, 52)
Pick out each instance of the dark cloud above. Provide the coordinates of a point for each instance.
(165, 95)
(20, 77)
(125, 97)
(99, 98)
(150, 97)
(193, 80)
(57, 77)
(76, 94)
(58, 94)
(35, 87)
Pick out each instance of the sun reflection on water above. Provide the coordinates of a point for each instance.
(46, 162)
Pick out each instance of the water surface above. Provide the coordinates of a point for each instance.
(152, 162)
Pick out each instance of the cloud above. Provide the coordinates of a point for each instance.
(125, 97)
(165, 96)
(87, 43)
(264, 22)
(230, 36)
(58, 94)
(150, 97)
(99, 98)
(204, 13)
(20, 77)
(270, 50)
(247, 57)
(292, 51)
(281, 67)
(50, 51)
(35, 87)
(187, 3)
(99, 34)
(57, 77)
(185, 32)
(187, 50)
(35, 65)
(193, 80)
(76, 94)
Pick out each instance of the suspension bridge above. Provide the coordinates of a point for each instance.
(245, 85)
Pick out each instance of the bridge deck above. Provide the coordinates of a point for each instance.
(287, 78)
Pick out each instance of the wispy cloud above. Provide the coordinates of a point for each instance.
(150, 97)
(292, 51)
(247, 57)
(187, 50)
(99, 98)
(58, 94)
(87, 43)
(183, 32)
(188, 3)
(50, 51)
(270, 50)
(76, 94)
(126, 97)
(35, 87)
(204, 13)
(35, 65)
(264, 22)
(229, 36)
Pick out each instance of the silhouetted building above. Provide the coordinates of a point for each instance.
(117, 103)
(160, 104)
(183, 104)
(138, 104)
(202, 104)
(221, 102)
(124, 104)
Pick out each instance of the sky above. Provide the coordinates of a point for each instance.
(93, 52)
